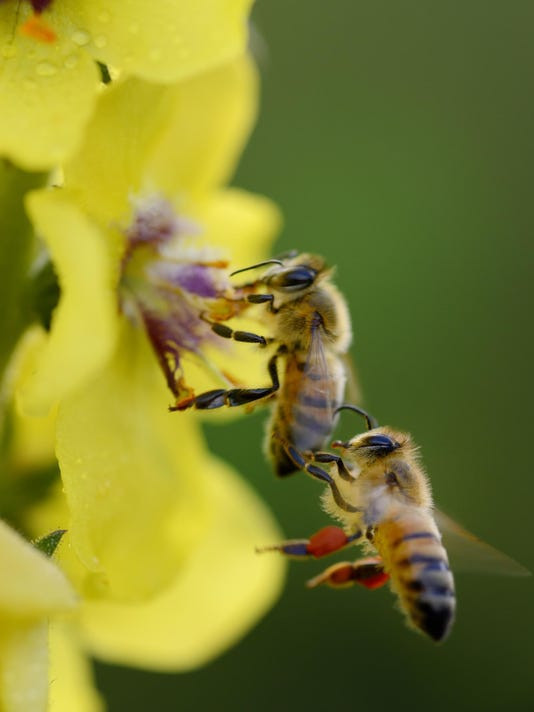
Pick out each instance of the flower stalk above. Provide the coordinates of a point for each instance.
(16, 249)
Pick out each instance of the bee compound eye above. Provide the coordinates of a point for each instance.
(295, 278)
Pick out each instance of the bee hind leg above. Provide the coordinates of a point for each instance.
(367, 572)
(326, 541)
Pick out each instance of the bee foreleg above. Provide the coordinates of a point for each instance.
(317, 472)
(326, 541)
(341, 467)
(367, 572)
(263, 299)
(247, 336)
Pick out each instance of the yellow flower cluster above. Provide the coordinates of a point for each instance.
(140, 227)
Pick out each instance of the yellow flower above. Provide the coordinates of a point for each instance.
(161, 534)
(32, 590)
(49, 78)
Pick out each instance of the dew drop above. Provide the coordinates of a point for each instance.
(100, 41)
(71, 61)
(154, 55)
(46, 69)
(81, 38)
(9, 51)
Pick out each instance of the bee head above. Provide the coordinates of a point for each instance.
(297, 274)
(385, 457)
(376, 445)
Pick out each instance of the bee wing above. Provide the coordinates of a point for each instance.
(316, 395)
(354, 392)
(469, 553)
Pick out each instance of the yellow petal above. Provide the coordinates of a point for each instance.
(219, 592)
(35, 586)
(33, 439)
(24, 667)
(84, 325)
(179, 140)
(108, 169)
(167, 40)
(72, 688)
(242, 224)
(207, 129)
(47, 92)
(125, 462)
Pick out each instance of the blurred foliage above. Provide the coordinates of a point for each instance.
(397, 137)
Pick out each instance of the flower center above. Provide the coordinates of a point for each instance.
(35, 27)
(175, 286)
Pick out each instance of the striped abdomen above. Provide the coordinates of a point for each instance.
(303, 414)
(410, 545)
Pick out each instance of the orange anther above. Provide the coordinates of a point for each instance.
(37, 29)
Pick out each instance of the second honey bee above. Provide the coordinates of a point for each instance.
(380, 493)
(309, 327)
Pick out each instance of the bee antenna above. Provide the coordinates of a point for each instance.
(287, 255)
(369, 419)
(260, 264)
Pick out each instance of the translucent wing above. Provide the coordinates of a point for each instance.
(354, 392)
(317, 394)
(470, 554)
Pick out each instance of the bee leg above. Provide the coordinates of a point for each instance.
(326, 541)
(341, 467)
(233, 397)
(317, 472)
(366, 572)
(262, 299)
(227, 333)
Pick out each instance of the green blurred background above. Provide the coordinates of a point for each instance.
(397, 138)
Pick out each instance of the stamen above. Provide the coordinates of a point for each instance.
(174, 287)
(37, 29)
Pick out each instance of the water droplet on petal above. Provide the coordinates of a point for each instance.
(100, 41)
(81, 38)
(9, 51)
(154, 55)
(46, 69)
(71, 61)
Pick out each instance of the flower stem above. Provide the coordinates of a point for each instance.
(16, 250)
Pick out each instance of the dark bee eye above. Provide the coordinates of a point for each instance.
(295, 279)
(380, 444)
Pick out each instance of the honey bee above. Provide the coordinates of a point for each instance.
(381, 494)
(310, 329)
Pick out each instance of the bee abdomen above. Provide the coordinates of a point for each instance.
(426, 588)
